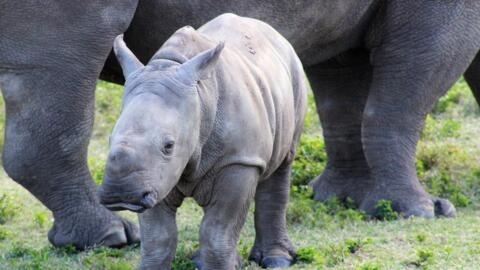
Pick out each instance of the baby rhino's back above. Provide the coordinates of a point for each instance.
(256, 40)
(265, 64)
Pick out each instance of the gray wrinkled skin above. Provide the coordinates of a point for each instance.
(215, 121)
(376, 68)
(50, 57)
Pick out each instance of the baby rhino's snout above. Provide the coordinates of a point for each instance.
(122, 186)
(121, 162)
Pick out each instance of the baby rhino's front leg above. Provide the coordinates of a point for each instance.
(224, 218)
(158, 235)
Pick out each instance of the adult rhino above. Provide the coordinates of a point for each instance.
(376, 68)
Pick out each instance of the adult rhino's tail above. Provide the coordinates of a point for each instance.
(472, 76)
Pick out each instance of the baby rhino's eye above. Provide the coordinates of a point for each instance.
(168, 146)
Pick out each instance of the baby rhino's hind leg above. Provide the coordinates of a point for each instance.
(272, 246)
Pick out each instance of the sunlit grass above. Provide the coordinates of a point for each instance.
(329, 236)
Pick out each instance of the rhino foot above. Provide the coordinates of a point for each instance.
(275, 262)
(273, 258)
(334, 183)
(200, 264)
(86, 229)
(444, 207)
(409, 202)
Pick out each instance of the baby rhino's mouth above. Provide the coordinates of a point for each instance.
(148, 201)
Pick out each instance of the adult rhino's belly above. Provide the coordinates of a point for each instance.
(317, 30)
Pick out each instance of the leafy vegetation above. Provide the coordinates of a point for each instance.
(329, 235)
(385, 211)
(7, 208)
(310, 254)
(310, 159)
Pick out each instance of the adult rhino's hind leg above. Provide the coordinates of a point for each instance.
(272, 247)
(341, 86)
(412, 70)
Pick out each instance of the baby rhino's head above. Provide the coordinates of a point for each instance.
(158, 128)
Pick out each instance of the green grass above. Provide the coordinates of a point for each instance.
(331, 235)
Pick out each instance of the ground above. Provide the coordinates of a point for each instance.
(328, 235)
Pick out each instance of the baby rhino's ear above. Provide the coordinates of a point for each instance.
(126, 58)
(200, 66)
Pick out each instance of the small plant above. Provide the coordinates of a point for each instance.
(243, 248)
(450, 128)
(302, 209)
(447, 171)
(36, 258)
(19, 252)
(182, 263)
(448, 250)
(310, 159)
(421, 237)
(384, 210)
(450, 99)
(353, 245)
(335, 254)
(41, 219)
(107, 258)
(309, 254)
(67, 250)
(109, 252)
(103, 263)
(7, 208)
(368, 266)
(4, 234)
(425, 258)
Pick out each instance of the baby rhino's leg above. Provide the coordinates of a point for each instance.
(158, 233)
(272, 246)
(224, 218)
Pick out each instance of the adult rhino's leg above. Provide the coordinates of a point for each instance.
(472, 76)
(50, 59)
(420, 56)
(272, 246)
(224, 218)
(48, 125)
(341, 86)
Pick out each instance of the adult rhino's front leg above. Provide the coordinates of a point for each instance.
(49, 121)
(49, 63)
(420, 56)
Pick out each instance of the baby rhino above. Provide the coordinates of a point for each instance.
(215, 115)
